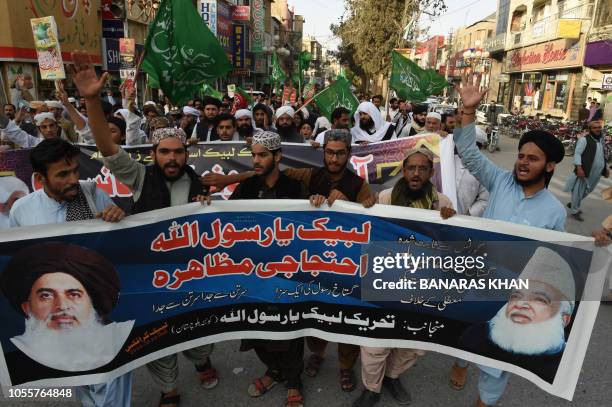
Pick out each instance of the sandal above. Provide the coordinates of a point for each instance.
(258, 388)
(169, 400)
(458, 376)
(347, 380)
(314, 365)
(208, 378)
(294, 401)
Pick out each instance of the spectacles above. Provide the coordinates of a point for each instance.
(339, 153)
(418, 168)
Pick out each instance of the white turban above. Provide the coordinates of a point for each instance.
(54, 104)
(380, 125)
(435, 115)
(150, 102)
(288, 110)
(123, 113)
(41, 117)
(10, 184)
(188, 110)
(243, 113)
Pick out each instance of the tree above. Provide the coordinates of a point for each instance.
(371, 29)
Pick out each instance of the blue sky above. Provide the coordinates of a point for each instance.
(319, 14)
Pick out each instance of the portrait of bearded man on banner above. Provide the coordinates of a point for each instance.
(529, 330)
(66, 294)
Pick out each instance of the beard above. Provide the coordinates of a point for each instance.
(366, 124)
(245, 131)
(170, 165)
(416, 194)
(526, 183)
(285, 130)
(527, 339)
(419, 121)
(266, 170)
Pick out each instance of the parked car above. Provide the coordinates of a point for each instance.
(440, 108)
(482, 113)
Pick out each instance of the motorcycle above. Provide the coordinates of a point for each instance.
(493, 138)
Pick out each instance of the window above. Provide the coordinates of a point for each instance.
(604, 13)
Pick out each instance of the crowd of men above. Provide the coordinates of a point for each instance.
(520, 196)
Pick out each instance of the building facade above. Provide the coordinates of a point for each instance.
(544, 50)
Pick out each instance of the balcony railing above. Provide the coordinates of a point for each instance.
(545, 29)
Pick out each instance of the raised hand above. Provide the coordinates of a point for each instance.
(60, 92)
(470, 91)
(84, 75)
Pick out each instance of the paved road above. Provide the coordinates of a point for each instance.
(427, 380)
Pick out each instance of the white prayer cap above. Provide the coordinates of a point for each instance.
(435, 115)
(288, 110)
(547, 266)
(190, 111)
(41, 117)
(149, 102)
(54, 104)
(71, 100)
(243, 113)
(124, 113)
(268, 139)
(10, 184)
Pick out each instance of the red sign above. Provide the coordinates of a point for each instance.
(241, 13)
(106, 13)
(554, 54)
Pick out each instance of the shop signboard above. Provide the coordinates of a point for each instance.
(556, 54)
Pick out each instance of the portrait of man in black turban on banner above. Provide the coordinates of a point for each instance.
(66, 294)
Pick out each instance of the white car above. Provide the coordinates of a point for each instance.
(482, 113)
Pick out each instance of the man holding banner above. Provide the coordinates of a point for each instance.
(168, 182)
(283, 358)
(520, 196)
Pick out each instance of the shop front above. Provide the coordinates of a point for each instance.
(545, 78)
(81, 28)
(598, 65)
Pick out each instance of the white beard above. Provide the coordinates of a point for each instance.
(539, 338)
(87, 346)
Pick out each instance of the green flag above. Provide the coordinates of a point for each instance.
(208, 90)
(181, 52)
(336, 95)
(413, 83)
(278, 75)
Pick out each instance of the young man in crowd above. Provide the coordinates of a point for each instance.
(341, 119)
(169, 181)
(64, 198)
(205, 129)
(285, 125)
(519, 196)
(283, 358)
(381, 367)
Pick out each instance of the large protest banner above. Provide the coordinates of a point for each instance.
(168, 280)
(379, 164)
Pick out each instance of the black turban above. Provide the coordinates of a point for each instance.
(416, 109)
(94, 271)
(552, 146)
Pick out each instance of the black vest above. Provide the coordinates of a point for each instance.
(321, 184)
(155, 194)
(588, 155)
(252, 188)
